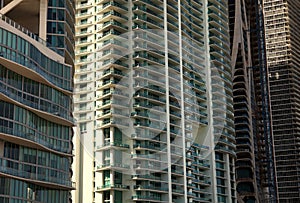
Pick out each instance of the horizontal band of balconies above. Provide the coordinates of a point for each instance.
(29, 68)
(35, 139)
(53, 116)
(39, 179)
(51, 110)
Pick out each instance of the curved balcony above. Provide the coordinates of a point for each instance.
(46, 181)
(55, 109)
(29, 68)
(45, 112)
(35, 139)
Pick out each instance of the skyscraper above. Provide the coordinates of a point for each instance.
(241, 60)
(153, 101)
(281, 22)
(36, 109)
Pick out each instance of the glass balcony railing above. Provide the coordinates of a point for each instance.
(113, 3)
(146, 156)
(146, 197)
(4, 168)
(35, 137)
(151, 177)
(113, 165)
(53, 109)
(114, 186)
(114, 144)
(149, 187)
(36, 67)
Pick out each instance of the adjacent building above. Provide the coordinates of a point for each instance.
(153, 102)
(36, 108)
(281, 22)
(240, 12)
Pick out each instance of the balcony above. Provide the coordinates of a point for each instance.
(35, 139)
(113, 122)
(147, 177)
(112, 5)
(116, 145)
(113, 187)
(146, 156)
(46, 181)
(147, 198)
(113, 166)
(151, 188)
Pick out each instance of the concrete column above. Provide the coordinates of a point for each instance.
(43, 19)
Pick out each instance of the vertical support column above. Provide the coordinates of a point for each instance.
(167, 102)
(43, 19)
(228, 183)
(182, 104)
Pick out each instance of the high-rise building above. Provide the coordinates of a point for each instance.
(153, 102)
(61, 27)
(36, 108)
(281, 22)
(240, 24)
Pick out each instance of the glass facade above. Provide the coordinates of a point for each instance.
(35, 118)
(60, 27)
(19, 50)
(16, 191)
